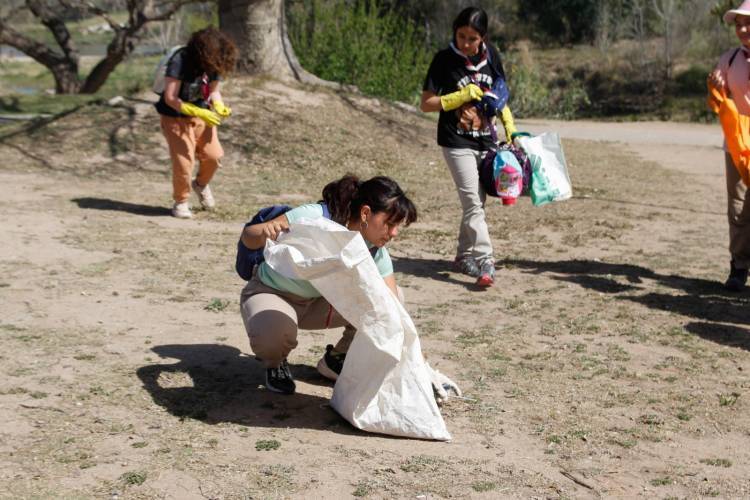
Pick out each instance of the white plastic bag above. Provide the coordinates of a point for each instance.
(385, 384)
(549, 172)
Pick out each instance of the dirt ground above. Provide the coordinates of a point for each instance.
(607, 362)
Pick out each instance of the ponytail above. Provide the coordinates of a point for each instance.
(346, 196)
(338, 196)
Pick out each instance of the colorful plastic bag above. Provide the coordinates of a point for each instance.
(549, 171)
(501, 175)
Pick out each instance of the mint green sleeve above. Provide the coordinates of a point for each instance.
(383, 262)
(309, 211)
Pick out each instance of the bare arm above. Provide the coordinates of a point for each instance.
(255, 236)
(430, 102)
(171, 93)
(390, 280)
(214, 89)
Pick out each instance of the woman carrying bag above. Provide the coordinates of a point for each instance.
(456, 80)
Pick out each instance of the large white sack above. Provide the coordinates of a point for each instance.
(385, 385)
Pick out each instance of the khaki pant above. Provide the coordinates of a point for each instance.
(738, 212)
(473, 235)
(272, 318)
(189, 139)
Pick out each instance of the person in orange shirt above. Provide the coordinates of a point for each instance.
(729, 97)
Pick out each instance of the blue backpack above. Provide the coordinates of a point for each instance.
(247, 259)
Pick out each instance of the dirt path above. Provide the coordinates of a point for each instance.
(607, 362)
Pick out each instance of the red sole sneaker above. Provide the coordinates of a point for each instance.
(485, 280)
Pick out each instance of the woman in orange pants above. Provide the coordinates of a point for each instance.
(191, 107)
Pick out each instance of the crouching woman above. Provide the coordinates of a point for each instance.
(274, 307)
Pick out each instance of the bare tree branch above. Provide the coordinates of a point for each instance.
(36, 50)
(57, 26)
(92, 9)
(169, 12)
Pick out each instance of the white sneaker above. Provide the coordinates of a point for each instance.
(204, 195)
(182, 210)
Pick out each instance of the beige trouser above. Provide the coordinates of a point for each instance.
(473, 235)
(189, 139)
(738, 212)
(272, 318)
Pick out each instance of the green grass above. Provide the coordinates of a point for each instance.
(216, 305)
(25, 86)
(267, 445)
(728, 399)
(661, 481)
(717, 462)
(133, 478)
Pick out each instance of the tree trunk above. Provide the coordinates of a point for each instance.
(66, 79)
(254, 25)
(258, 27)
(118, 49)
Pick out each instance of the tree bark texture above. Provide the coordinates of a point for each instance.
(255, 26)
(63, 63)
(258, 27)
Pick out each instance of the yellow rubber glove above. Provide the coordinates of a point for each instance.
(510, 126)
(221, 109)
(454, 101)
(208, 116)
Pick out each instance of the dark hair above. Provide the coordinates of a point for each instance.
(212, 51)
(346, 196)
(474, 18)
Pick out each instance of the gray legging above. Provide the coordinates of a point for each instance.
(473, 235)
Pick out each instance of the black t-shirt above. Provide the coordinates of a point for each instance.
(193, 83)
(448, 73)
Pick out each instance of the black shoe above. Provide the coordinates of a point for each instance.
(280, 379)
(330, 364)
(737, 279)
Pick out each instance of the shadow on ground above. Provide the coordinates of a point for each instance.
(227, 386)
(439, 270)
(696, 298)
(121, 206)
(728, 335)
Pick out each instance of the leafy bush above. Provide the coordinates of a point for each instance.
(533, 94)
(360, 43)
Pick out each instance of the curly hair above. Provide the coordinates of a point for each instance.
(212, 51)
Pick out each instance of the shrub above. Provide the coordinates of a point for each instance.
(364, 44)
(535, 94)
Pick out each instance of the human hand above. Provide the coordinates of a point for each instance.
(272, 229)
(221, 109)
(209, 117)
(442, 386)
(469, 93)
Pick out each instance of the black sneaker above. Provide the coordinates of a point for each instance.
(737, 279)
(280, 379)
(330, 364)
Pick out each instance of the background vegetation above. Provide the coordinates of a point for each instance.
(621, 59)
(564, 58)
